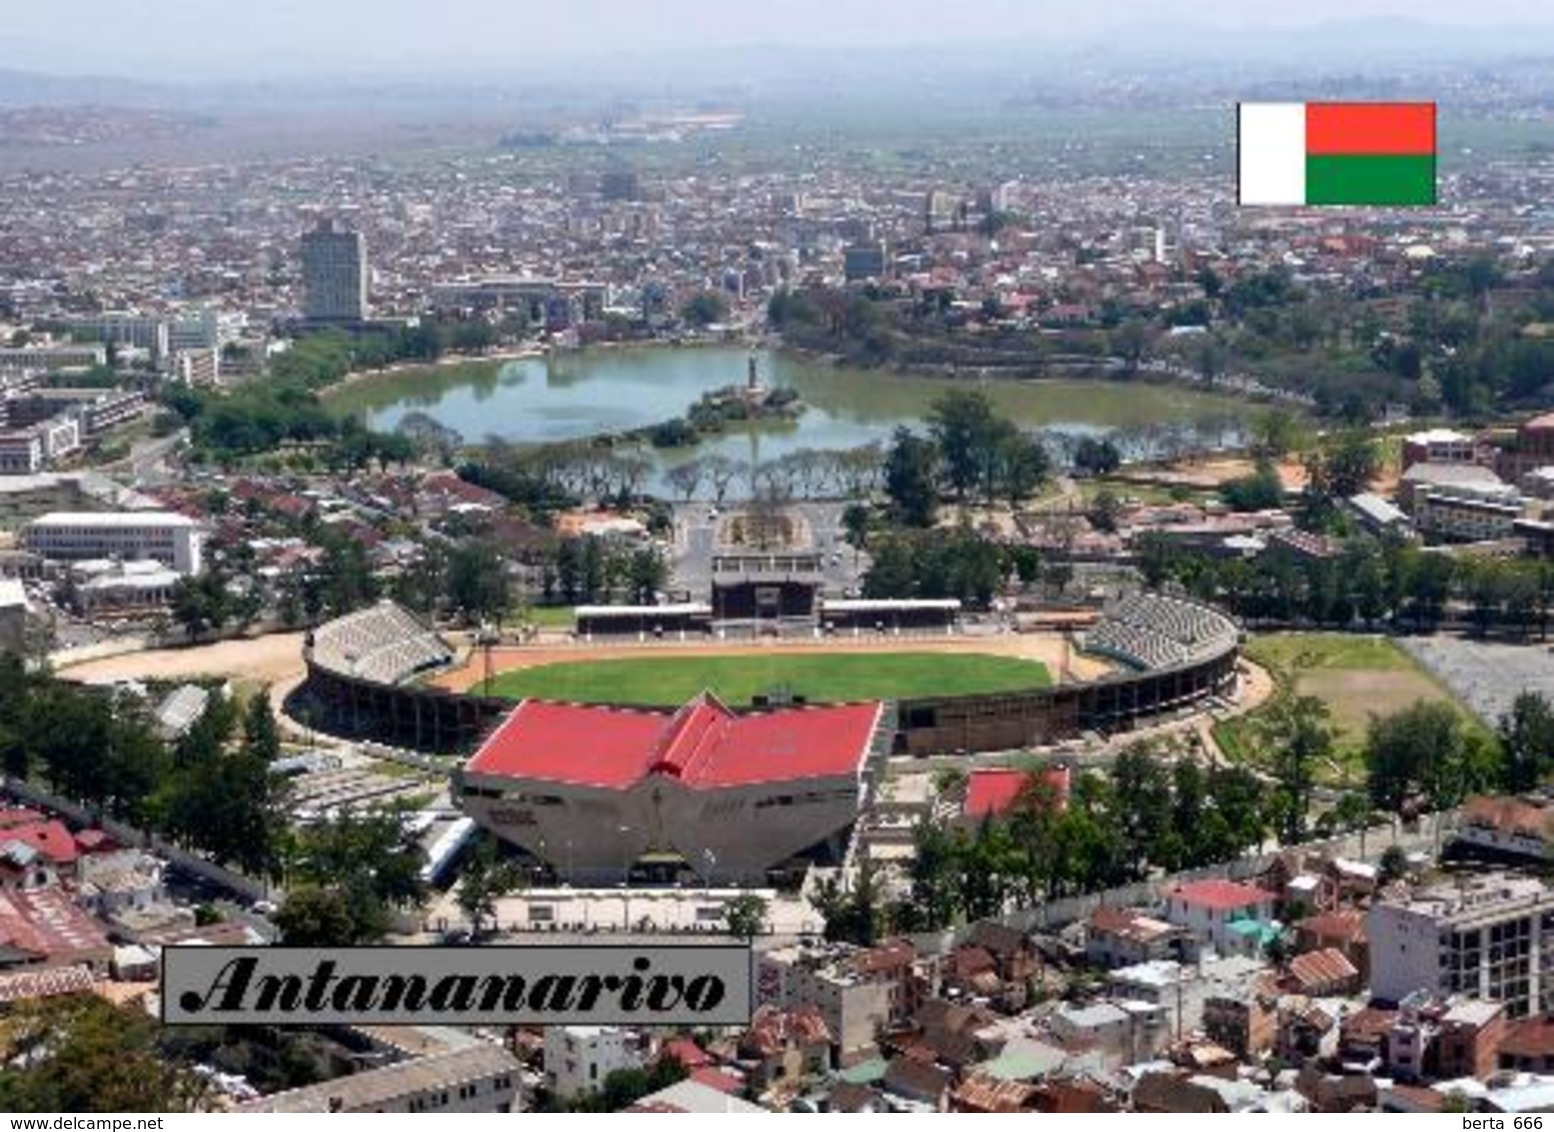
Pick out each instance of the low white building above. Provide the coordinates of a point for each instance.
(167, 537)
(579, 1058)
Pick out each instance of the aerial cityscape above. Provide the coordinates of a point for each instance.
(1033, 544)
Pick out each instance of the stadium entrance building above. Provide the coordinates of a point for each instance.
(606, 795)
(767, 589)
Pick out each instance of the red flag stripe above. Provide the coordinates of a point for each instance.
(1338, 128)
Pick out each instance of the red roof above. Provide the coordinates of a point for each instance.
(9, 818)
(704, 745)
(50, 838)
(686, 1052)
(46, 924)
(994, 790)
(1219, 895)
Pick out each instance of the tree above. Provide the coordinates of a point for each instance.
(686, 478)
(1422, 752)
(856, 519)
(745, 915)
(261, 737)
(1393, 865)
(486, 879)
(478, 585)
(316, 917)
(705, 308)
(201, 604)
(851, 914)
(1526, 736)
(1096, 457)
(1293, 736)
(966, 430)
(80, 1053)
(911, 478)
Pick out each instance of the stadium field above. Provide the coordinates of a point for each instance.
(819, 678)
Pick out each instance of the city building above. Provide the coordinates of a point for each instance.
(579, 1058)
(1211, 909)
(334, 275)
(174, 540)
(1439, 446)
(602, 793)
(52, 357)
(480, 1077)
(1482, 936)
(858, 993)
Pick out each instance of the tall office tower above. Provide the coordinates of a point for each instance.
(334, 274)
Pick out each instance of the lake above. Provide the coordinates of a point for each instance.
(572, 395)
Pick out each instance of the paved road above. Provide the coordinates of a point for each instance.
(696, 540)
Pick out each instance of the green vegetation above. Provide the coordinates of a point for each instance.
(1114, 828)
(80, 1053)
(1351, 677)
(834, 678)
(344, 879)
(210, 791)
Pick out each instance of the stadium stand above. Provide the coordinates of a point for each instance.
(1152, 632)
(385, 644)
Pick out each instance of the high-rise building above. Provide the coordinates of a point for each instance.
(1489, 937)
(334, 274)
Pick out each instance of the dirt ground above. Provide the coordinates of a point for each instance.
(1051, 649)
(1355, 696)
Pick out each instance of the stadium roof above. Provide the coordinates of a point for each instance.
(994, 790)
(704, 745)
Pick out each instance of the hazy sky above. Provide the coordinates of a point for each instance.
(144, 37)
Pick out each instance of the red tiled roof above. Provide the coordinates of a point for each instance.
(9, 818)
(1219, 895)
(995, 790)
(704, 745)
(48, 925)
(50, 838)
(719, 1079)
(46, 983)
(1316, 971)
(686, 1052)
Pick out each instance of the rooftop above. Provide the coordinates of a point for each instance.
(364, 1091)
(113, 520)
(1219, 895)
(704, 745)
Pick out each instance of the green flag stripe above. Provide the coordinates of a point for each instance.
(1370, 179)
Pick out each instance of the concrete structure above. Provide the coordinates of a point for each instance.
(476, 1078)
(604, 794)
(579, 1058)
(856, 1000)
(1211, 908)
(174, 540)
(1439, 446)
(334, 275)
(1488, 937)
(13, 614)
(52, 357)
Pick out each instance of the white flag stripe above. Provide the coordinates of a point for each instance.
(1272, 153)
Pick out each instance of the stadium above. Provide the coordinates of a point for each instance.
(728, 790)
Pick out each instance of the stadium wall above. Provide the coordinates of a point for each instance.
(431, 719)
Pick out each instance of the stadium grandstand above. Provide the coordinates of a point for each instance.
(607, 794)
(643, 621)
(359, 684)
(1151, 632)
(385, 644)
(883, 616)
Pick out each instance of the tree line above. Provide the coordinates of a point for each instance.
(210, 790)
